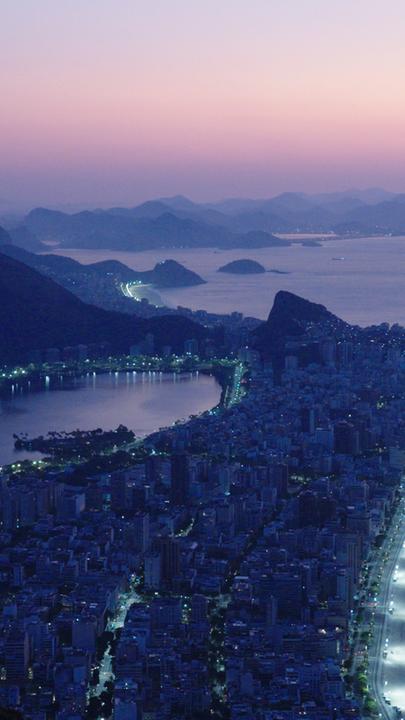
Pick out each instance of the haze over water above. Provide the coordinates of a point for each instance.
(365, 287)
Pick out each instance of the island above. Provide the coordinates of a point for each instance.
(242, 267)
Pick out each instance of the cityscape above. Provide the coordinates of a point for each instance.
(202, 361)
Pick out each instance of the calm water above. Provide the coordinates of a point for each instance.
(366, 287)
(140, 401)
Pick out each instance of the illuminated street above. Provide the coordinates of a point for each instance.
(387, 665)
(105, 668)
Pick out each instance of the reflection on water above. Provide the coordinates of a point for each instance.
(141, 401)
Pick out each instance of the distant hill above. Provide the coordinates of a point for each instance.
(170, 273)
(100, 283)
(5, 238)
(123, 231)
(180, 207)
(165, 274)
(23, 237)
(242, 267)
(384, 217)
(174, 222)
(367, 211)
(36, 313)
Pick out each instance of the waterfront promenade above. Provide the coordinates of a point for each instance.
(387, 653)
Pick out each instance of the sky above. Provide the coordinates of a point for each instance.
(119, 101)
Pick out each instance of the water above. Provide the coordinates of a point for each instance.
(366, 287)
(141, 401)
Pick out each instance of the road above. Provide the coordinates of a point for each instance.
(236, 391)
(105, 666)
(387, 652)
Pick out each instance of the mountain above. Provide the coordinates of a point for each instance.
(170, 273)
(65, 270)
(150, 209)
(236, 206)
(384, 217)
(101, 283)
(4, 236)
(179, 202)
(288, 212)
(26, 239)
(124, 232)
(179, 222)
(36, 313)
(186, 210)
(368, 196)
(165, 274)
(291, 212)
(259, 220)
(289, 319)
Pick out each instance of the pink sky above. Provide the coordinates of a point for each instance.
(123, 100)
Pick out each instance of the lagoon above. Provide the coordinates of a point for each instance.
(142, 401)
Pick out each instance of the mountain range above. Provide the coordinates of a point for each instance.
(165, 274)
(123, 229)
(174, 222)
(36, 313)
(100, 283)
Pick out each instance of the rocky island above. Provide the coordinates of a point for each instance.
(242, 267)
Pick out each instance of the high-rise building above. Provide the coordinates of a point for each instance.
(121, 492)
(17, 656)
(346, 438)
(153, 467)
(191, 347)
(308, 420)
(179, 480)
(84, 633)
(328, 351)
(141, 531)
(170, 559)
(152, 570)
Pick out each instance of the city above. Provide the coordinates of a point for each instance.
(229, 572)
(202, 360)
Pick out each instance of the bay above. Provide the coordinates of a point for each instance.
(359, 279)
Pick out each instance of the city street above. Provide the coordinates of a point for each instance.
(387, 656)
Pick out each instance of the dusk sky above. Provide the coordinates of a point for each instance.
(118, 101)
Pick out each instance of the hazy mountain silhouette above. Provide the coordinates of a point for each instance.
(5, 237)
(120, 231)
(384, 217)
(179, 222)
(168, 273)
